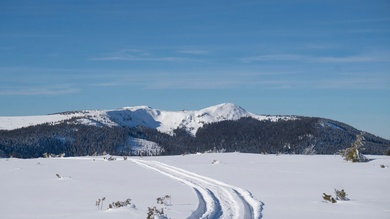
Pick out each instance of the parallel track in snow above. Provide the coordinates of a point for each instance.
(217, 199)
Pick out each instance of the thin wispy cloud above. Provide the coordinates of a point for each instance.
(333, 83)
(31, 35)
(318, 46)
(276, 57)
(315, 59)
(352, 83)
(194, 84)
(359, 21)
(38, 91)
(247, 80)
(194, 52)
(107, 84)
(176, 80)
(348, 59)
(134, 58)
(142, 55)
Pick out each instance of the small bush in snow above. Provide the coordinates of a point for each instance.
(341, 195)
(47, 155)
(120, 204)
(154, 213)
(329, 198)
(99, 202)
(111, 158)
(215, 162)
(165, 200)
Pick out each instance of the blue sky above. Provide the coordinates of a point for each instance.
(314, 58)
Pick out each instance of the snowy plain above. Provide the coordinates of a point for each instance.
(259, 186)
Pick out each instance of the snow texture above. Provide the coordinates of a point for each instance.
(240, 186)
(221, 200)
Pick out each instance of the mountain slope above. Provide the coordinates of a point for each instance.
(163, 121)
(143, 130)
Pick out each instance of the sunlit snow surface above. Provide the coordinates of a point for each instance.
(285, 186)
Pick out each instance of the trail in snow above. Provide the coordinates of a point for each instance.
(216, 199)
(201, 207)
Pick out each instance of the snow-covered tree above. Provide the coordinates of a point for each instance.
(353, 153)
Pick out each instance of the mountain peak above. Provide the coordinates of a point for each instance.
(225, 111)
(226, 106)
(163, 121)
(137, 108)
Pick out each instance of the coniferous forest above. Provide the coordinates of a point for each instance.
(304, 135)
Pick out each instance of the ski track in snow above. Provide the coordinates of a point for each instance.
(216, 199)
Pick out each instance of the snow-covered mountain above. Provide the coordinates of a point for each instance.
(140, 129)
(163, 121)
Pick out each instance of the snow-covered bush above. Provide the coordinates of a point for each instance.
(309, 150)
(111, 158)
(216, 162)
(119, 204)
(48, 155)
(165, 200)
(353, 153)
(154, 213)
(341, 195)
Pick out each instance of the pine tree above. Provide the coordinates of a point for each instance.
(353, 153)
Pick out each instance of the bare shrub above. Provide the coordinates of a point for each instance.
(156, 213)
(329, 198)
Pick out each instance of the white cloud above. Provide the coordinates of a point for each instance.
(135, 58)
(313, 59)
(35, 91)
(141, 55)
(348, 59)
(276, 57)
(231, 79)
(194, 52)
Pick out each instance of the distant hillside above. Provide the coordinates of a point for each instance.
(147, 131)
(163, 121)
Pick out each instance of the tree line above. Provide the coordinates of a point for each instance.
(248, 135)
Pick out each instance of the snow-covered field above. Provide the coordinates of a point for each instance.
(231, 185)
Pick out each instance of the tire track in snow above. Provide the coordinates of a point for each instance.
(216, 199)
(212, 207)
(201, 207)
(248, 208)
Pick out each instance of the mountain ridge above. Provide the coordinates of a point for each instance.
(162, 120)
(143, 130)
